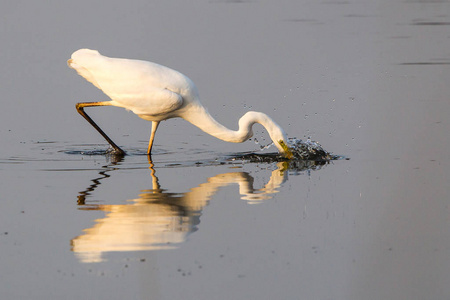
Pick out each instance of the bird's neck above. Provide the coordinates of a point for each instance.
(200, 117)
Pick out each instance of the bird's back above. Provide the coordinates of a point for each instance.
(141, 86)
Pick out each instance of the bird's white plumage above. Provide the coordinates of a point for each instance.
(156, 93)
(121, 79)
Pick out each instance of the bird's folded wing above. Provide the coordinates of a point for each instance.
(152, 101)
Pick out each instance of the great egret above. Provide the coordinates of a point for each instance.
(157, 93)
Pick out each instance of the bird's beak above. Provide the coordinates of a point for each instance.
(287, 151)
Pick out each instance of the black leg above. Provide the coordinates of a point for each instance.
(80, 108)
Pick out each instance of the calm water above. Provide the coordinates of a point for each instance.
(369, 80)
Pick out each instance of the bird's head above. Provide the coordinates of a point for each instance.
(285, 150)
(280, 140)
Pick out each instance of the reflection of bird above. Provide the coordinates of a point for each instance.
(160, 219)
(157, 93)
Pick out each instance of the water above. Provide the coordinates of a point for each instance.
(205, 219)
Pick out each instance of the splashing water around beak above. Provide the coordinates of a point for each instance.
(298, 149)
(287, 151)
(309, 150)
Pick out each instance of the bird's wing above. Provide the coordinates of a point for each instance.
(142, 87)
(151, 101)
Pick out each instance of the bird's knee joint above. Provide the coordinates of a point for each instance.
(78, 106)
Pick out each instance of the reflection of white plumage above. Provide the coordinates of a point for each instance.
(160, 219)
(157, 93)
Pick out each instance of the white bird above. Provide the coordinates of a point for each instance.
(156, 93)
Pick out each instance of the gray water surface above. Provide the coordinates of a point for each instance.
(369, 80)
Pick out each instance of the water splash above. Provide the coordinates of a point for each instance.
(261, 146)
(303, 150)
(308, 155)
(86, 152)
(309, 150)
(293, 165)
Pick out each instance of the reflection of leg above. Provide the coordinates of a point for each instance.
(80, 108)
(156, 188)
(152, 136)
(96, 182)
